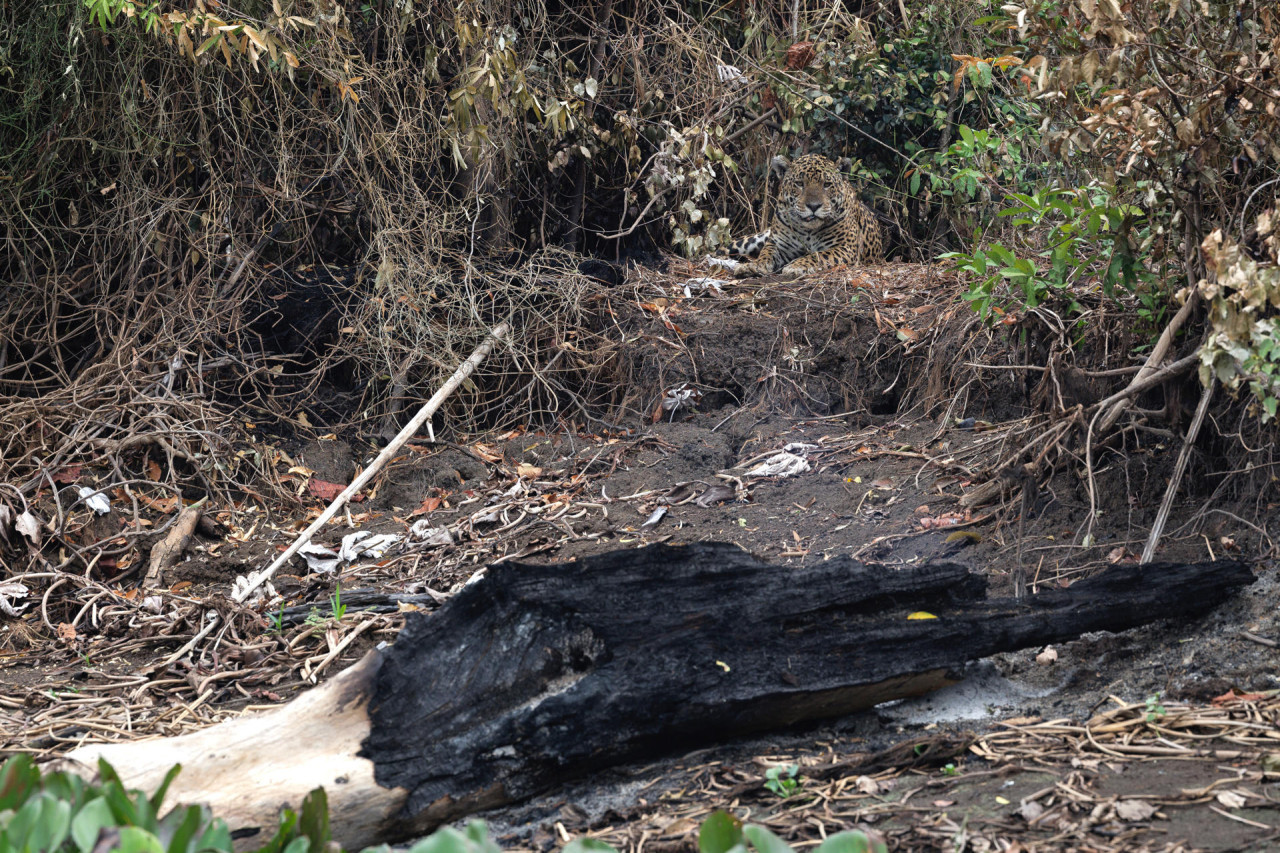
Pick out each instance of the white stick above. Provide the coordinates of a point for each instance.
(1179, 468)
(464, 370)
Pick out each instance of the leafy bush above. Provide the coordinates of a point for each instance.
(1088, 241)
(724, 833)
(62, 812)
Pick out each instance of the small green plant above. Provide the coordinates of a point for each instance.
(336, 608)
(1155, 711)
(722, 832)
(60, 812)
(950, 769)
(104, 13)
(277, 621)
(783, 781)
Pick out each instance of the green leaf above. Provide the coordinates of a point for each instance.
(18, 777)
(136, 840)
(851, 841)
(158, 797)
(208, 44)
(313, 820)
(88, 823)
(216, 836)
(446, 840)
(765, 841)
(179, 827)
(51, 826)
(588, 845)
(720, 833)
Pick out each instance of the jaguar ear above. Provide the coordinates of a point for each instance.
(845, 165)
(778, 165)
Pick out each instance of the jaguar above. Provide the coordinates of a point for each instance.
(818, 223)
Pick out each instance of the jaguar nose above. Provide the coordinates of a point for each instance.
(814, 206)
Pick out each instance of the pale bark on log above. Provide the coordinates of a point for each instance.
(248, 768)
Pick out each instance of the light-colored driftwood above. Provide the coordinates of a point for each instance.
(248, 768)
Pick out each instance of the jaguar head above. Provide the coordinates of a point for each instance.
(811, 191)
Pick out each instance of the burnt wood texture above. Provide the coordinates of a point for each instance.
(537, 673)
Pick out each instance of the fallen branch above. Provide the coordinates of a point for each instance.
(1178, 470)
(1152, 365)
(388, 453)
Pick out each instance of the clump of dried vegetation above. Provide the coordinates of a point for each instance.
(227, 225)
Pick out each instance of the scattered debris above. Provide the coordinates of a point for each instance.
(11, 591)
(95, 500)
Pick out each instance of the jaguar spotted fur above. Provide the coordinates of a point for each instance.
(818, 223)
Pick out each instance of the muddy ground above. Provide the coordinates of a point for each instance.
(897, 404)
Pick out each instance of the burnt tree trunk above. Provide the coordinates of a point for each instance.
(543, 672)
(535, 674)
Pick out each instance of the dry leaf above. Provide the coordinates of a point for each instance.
(866, 785)
(327, 491)
(1048, 656)
(1234, 695)
(1133, 810)
(428, 505)
(524, 469)
(681, 826)
(11, 591)
(1031, 811)
(28, 526)
(66, 631)
(800, 54)
(487, 452)
(1232, 799)
(68, 475)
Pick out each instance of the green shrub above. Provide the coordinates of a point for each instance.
(1088, 243)
(62, 812)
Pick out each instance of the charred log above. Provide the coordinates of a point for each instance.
(535, 674)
